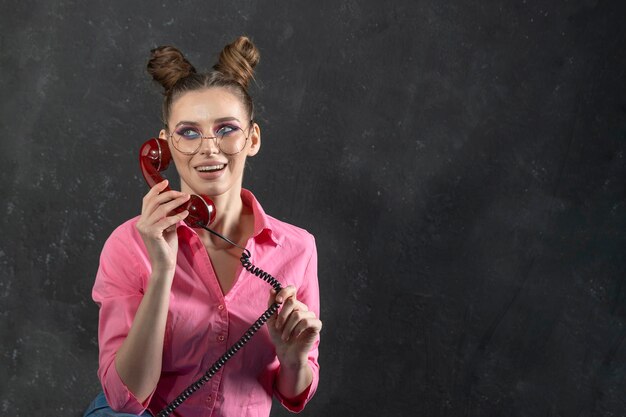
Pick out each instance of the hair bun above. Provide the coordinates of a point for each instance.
(237, 61)
(167, 65)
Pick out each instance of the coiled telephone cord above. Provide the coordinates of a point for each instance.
(217, 365)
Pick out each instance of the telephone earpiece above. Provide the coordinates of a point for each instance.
(155, 156)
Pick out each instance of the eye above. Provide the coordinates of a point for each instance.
(188, 133)
(226, 130)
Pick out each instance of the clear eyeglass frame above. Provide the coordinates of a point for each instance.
(218, 141)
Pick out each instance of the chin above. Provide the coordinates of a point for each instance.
(216, 190)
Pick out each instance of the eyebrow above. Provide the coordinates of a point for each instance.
(219, 120)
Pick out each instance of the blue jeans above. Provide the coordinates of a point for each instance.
(100, 408)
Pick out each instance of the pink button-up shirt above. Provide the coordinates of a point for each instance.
(202, 322)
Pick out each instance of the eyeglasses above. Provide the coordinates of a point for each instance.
(229, 139)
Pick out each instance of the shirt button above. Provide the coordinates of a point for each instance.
(221, 338)
(220, 307)
(209, 398)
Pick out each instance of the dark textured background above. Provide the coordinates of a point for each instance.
(460, 163)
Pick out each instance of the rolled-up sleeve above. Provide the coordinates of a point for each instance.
(308, 293)
(118, 291)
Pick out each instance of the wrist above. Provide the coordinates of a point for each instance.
(293, 381)
(162, 274)
(294, 364)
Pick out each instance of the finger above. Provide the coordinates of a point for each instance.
(290, 306)
(294, 320)
(159, 187)
(288, 291)
(308, 328)
(152, 202)
(156, 230)
(166, 209)
(171, 221)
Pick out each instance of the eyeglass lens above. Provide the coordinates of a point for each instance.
(230, 140)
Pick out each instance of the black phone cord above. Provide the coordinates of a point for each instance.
(217, 365)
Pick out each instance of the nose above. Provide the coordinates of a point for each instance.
(209, 145)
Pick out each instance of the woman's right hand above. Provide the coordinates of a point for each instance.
(157, 229)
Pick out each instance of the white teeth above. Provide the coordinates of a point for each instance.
(210, 168)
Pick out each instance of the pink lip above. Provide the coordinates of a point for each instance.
(210, 164)
(210, 175)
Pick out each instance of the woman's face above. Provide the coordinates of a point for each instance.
(209, 112)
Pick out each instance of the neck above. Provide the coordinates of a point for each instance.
(232, 220)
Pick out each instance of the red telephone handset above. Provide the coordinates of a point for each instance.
(155, 156)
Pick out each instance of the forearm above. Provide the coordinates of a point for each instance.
(294, 332)
(293, 379)
(138, 360)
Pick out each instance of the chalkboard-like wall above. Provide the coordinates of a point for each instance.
(461, 165)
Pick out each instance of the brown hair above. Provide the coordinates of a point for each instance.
(234, 70)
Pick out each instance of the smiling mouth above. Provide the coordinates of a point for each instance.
(210, 168)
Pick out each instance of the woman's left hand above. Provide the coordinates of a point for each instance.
(294, 329)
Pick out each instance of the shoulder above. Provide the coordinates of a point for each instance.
(291, 236)
(124, 240)
(282, 233)
(126, 237)
(124, 265)
(288, 229)
(126, 231)
(298, 253)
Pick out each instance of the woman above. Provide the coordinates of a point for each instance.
(173, 299)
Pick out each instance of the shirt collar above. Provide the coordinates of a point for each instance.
(262, 223)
